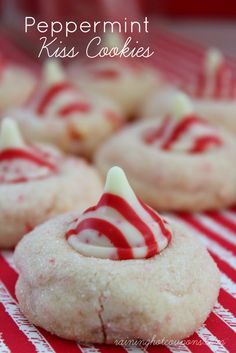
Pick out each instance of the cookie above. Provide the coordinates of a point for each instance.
(131, 273)
(177, 162)
(74, 120)
(213, 94)
(38, 182)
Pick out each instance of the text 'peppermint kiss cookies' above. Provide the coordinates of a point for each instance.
(131, 273)
(61, 114)
(176, 162)
(38, 182)
(213, 93)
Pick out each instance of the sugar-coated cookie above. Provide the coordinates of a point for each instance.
(177, 162)
(38, 182)
(213, 94)
(130, 273)
(59, 113)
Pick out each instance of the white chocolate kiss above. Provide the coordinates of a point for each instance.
(117, 184)
(10, 135)
(91, 242)
(182, 106)
(53, 72)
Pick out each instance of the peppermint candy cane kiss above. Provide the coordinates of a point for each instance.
(183, 130)
(215, 79)
(20, 162)
(120, 226)
(74, 119)
(58, 96)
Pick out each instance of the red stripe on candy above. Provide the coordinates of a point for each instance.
(181, 128)
(132, 217)
(107, 229)
(202, 143)
(156, 134)
(77, 107)
(15, 153)
(50, 94)
(157, 219)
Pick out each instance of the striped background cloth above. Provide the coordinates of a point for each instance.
(179, 59)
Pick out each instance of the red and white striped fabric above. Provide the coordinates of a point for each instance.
(179, 60)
